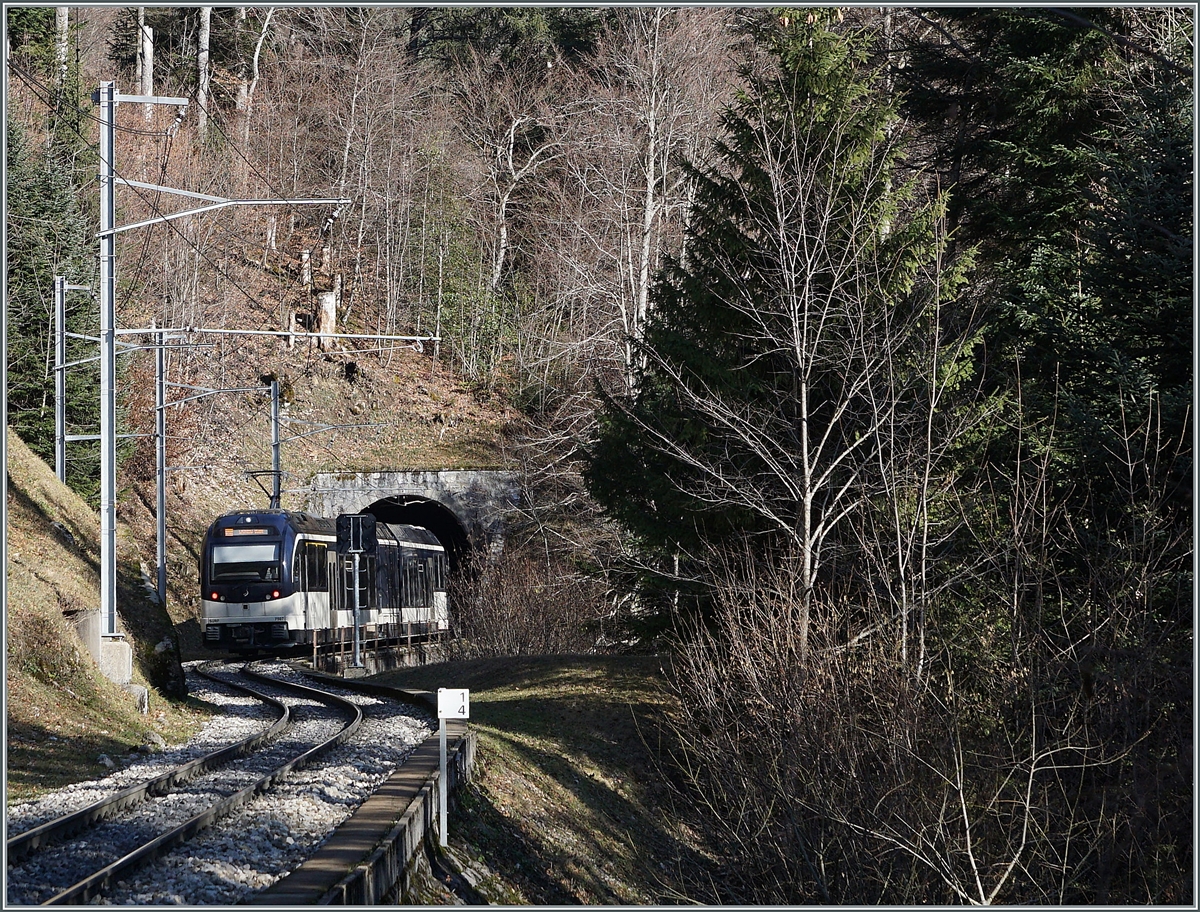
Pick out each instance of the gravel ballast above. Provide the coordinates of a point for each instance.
(256, 845)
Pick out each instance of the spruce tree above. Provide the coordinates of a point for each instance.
(786, 338)
(1068, 138)
(48, 236)
(1065, 140)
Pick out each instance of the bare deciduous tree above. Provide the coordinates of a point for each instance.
(1015, 770)
(204, 73)
(511, 117)
(837, 320)
(248, 81)
(522, 603)
(62, 34)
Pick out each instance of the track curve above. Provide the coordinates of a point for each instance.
(54, 830)
(133, 834)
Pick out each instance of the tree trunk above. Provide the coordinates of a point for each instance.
(62, 28)
(202, 43)
(147, 62)
(306, 278)
(141, 28)
(327, 302)
(651, 203)
(249, 82)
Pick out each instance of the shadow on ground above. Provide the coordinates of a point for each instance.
(568, 803)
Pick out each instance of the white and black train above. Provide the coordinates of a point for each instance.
(272, 580)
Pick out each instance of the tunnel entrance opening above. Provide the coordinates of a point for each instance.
(431, 515)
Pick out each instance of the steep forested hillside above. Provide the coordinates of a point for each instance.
(845, 352)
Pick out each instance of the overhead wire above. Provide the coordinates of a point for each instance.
(151, 203)
(162, 176)
(47, 98)
(45, 95)
(215, 122)
(278, 193)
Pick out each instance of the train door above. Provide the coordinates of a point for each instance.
(387, 583)
(311, 577)
(367, 595)
(438, 596)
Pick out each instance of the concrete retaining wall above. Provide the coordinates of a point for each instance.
(385, 877)
(372, 858)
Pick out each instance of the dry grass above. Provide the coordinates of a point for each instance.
(62, 714)
(569, 804)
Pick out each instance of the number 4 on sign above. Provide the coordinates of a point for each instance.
(452, 704)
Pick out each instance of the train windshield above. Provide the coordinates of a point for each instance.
(246, 561)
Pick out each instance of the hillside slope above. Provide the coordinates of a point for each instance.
(62, 713)
(341, 412)
(572, 801)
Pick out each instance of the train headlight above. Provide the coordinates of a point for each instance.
(214, 597)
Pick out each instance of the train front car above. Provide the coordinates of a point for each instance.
(251, 596)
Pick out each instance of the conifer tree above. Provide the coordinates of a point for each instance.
(783, 347)
(1064, 139)
(47, 236)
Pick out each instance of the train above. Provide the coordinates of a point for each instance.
(272, 581)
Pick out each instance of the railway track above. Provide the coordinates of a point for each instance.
(59, 828)
(123, 848)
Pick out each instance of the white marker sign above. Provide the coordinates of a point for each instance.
(454, 704)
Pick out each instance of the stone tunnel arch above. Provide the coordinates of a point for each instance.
(432, 515)
(465, 509)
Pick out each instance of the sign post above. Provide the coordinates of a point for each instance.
(356, 536)
(452, 704)
(356, 661)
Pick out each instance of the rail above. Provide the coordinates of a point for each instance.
(95, 883)
(44, 834)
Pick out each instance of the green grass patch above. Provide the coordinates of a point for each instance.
(569, 803)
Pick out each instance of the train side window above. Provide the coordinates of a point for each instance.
(398, 594)
(372, 592)
(406, 579)
(316, 573)
(382, 578)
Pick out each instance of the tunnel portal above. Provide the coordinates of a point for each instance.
(466, 510)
